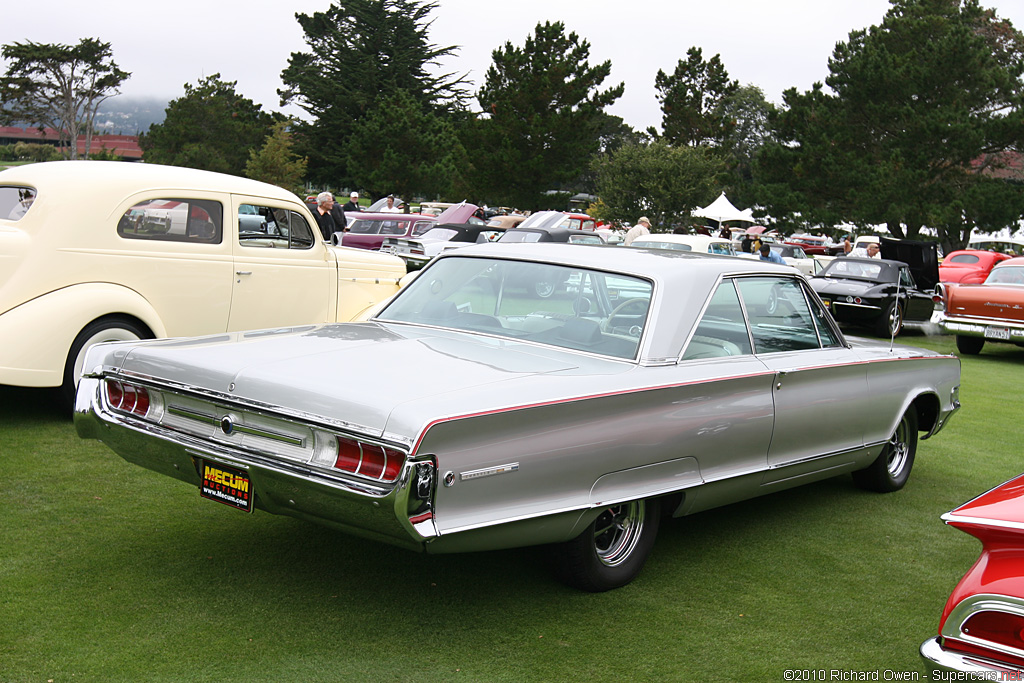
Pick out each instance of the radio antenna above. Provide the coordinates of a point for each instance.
(896, 310)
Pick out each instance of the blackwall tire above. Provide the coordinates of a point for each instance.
(612, 550)
(891, 469)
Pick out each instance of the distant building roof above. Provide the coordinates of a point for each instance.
(124, 146)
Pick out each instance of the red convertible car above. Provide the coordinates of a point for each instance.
(969, 266)
(991, 311)
(981, 633)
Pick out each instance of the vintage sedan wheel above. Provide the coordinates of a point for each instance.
(113, 328)
(891, 469)
(612, 550)
(969, 346)
(890, 324)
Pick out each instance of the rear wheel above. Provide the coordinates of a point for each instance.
(969, 346)
(891, 323)
(891, 469)
(612, 550)
(114, 328)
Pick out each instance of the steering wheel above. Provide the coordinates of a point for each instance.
(639, 301)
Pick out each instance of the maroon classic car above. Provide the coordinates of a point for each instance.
(369, 230)
(811, 244)
(969, 266)
(981, 633)
(991, 311)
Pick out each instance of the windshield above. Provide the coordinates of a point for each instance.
(658, 244)
(519, 235)
(572, 308)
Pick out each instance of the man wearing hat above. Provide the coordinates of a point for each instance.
(353, 203)
(642, 227)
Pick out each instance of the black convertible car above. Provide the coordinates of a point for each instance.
(884, 293)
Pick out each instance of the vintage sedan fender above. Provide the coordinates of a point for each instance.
(458, 430)
(37, 358)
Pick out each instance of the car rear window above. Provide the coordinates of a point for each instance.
(15, 201)
(964, 258)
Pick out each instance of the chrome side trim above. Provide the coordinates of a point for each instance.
(489, 471)
(949, 518)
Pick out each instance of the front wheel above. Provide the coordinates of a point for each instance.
(969, 346)
(891, 469)
(612, 550)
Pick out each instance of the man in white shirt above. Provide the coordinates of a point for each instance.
(871, 251)
(642, 227)
(391, 208)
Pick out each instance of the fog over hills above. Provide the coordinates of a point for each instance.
(129, 115)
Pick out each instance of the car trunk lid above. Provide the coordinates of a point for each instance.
(987, 301)
(354, 373)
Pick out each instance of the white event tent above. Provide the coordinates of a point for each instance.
(722, 210)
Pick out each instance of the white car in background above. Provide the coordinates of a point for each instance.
(701, 244)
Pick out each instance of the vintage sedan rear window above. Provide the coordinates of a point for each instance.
(15, 201)
(573, 308)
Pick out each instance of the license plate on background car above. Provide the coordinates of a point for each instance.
(1002, 333)
(228, 485)
(387, 249)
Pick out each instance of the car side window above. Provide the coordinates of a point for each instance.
(273, 227)
(174, 220)
(779, 316)
(722, 330)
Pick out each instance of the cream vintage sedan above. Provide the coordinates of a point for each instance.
(96, 251)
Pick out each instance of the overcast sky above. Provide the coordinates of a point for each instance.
(773, 44)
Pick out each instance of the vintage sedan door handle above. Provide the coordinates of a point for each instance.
(243, 272)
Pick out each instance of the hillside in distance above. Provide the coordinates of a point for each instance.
(129, 115)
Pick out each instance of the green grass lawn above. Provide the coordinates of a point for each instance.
(109, 572)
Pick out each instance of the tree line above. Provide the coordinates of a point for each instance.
(920, 123)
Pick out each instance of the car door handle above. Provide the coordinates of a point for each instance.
(243, 272)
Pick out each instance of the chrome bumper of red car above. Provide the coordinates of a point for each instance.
(995, 330)
(938, 661)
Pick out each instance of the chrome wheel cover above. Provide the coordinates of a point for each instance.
(617, 531)
(899, 450)
(895, 320)
(544, 289)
